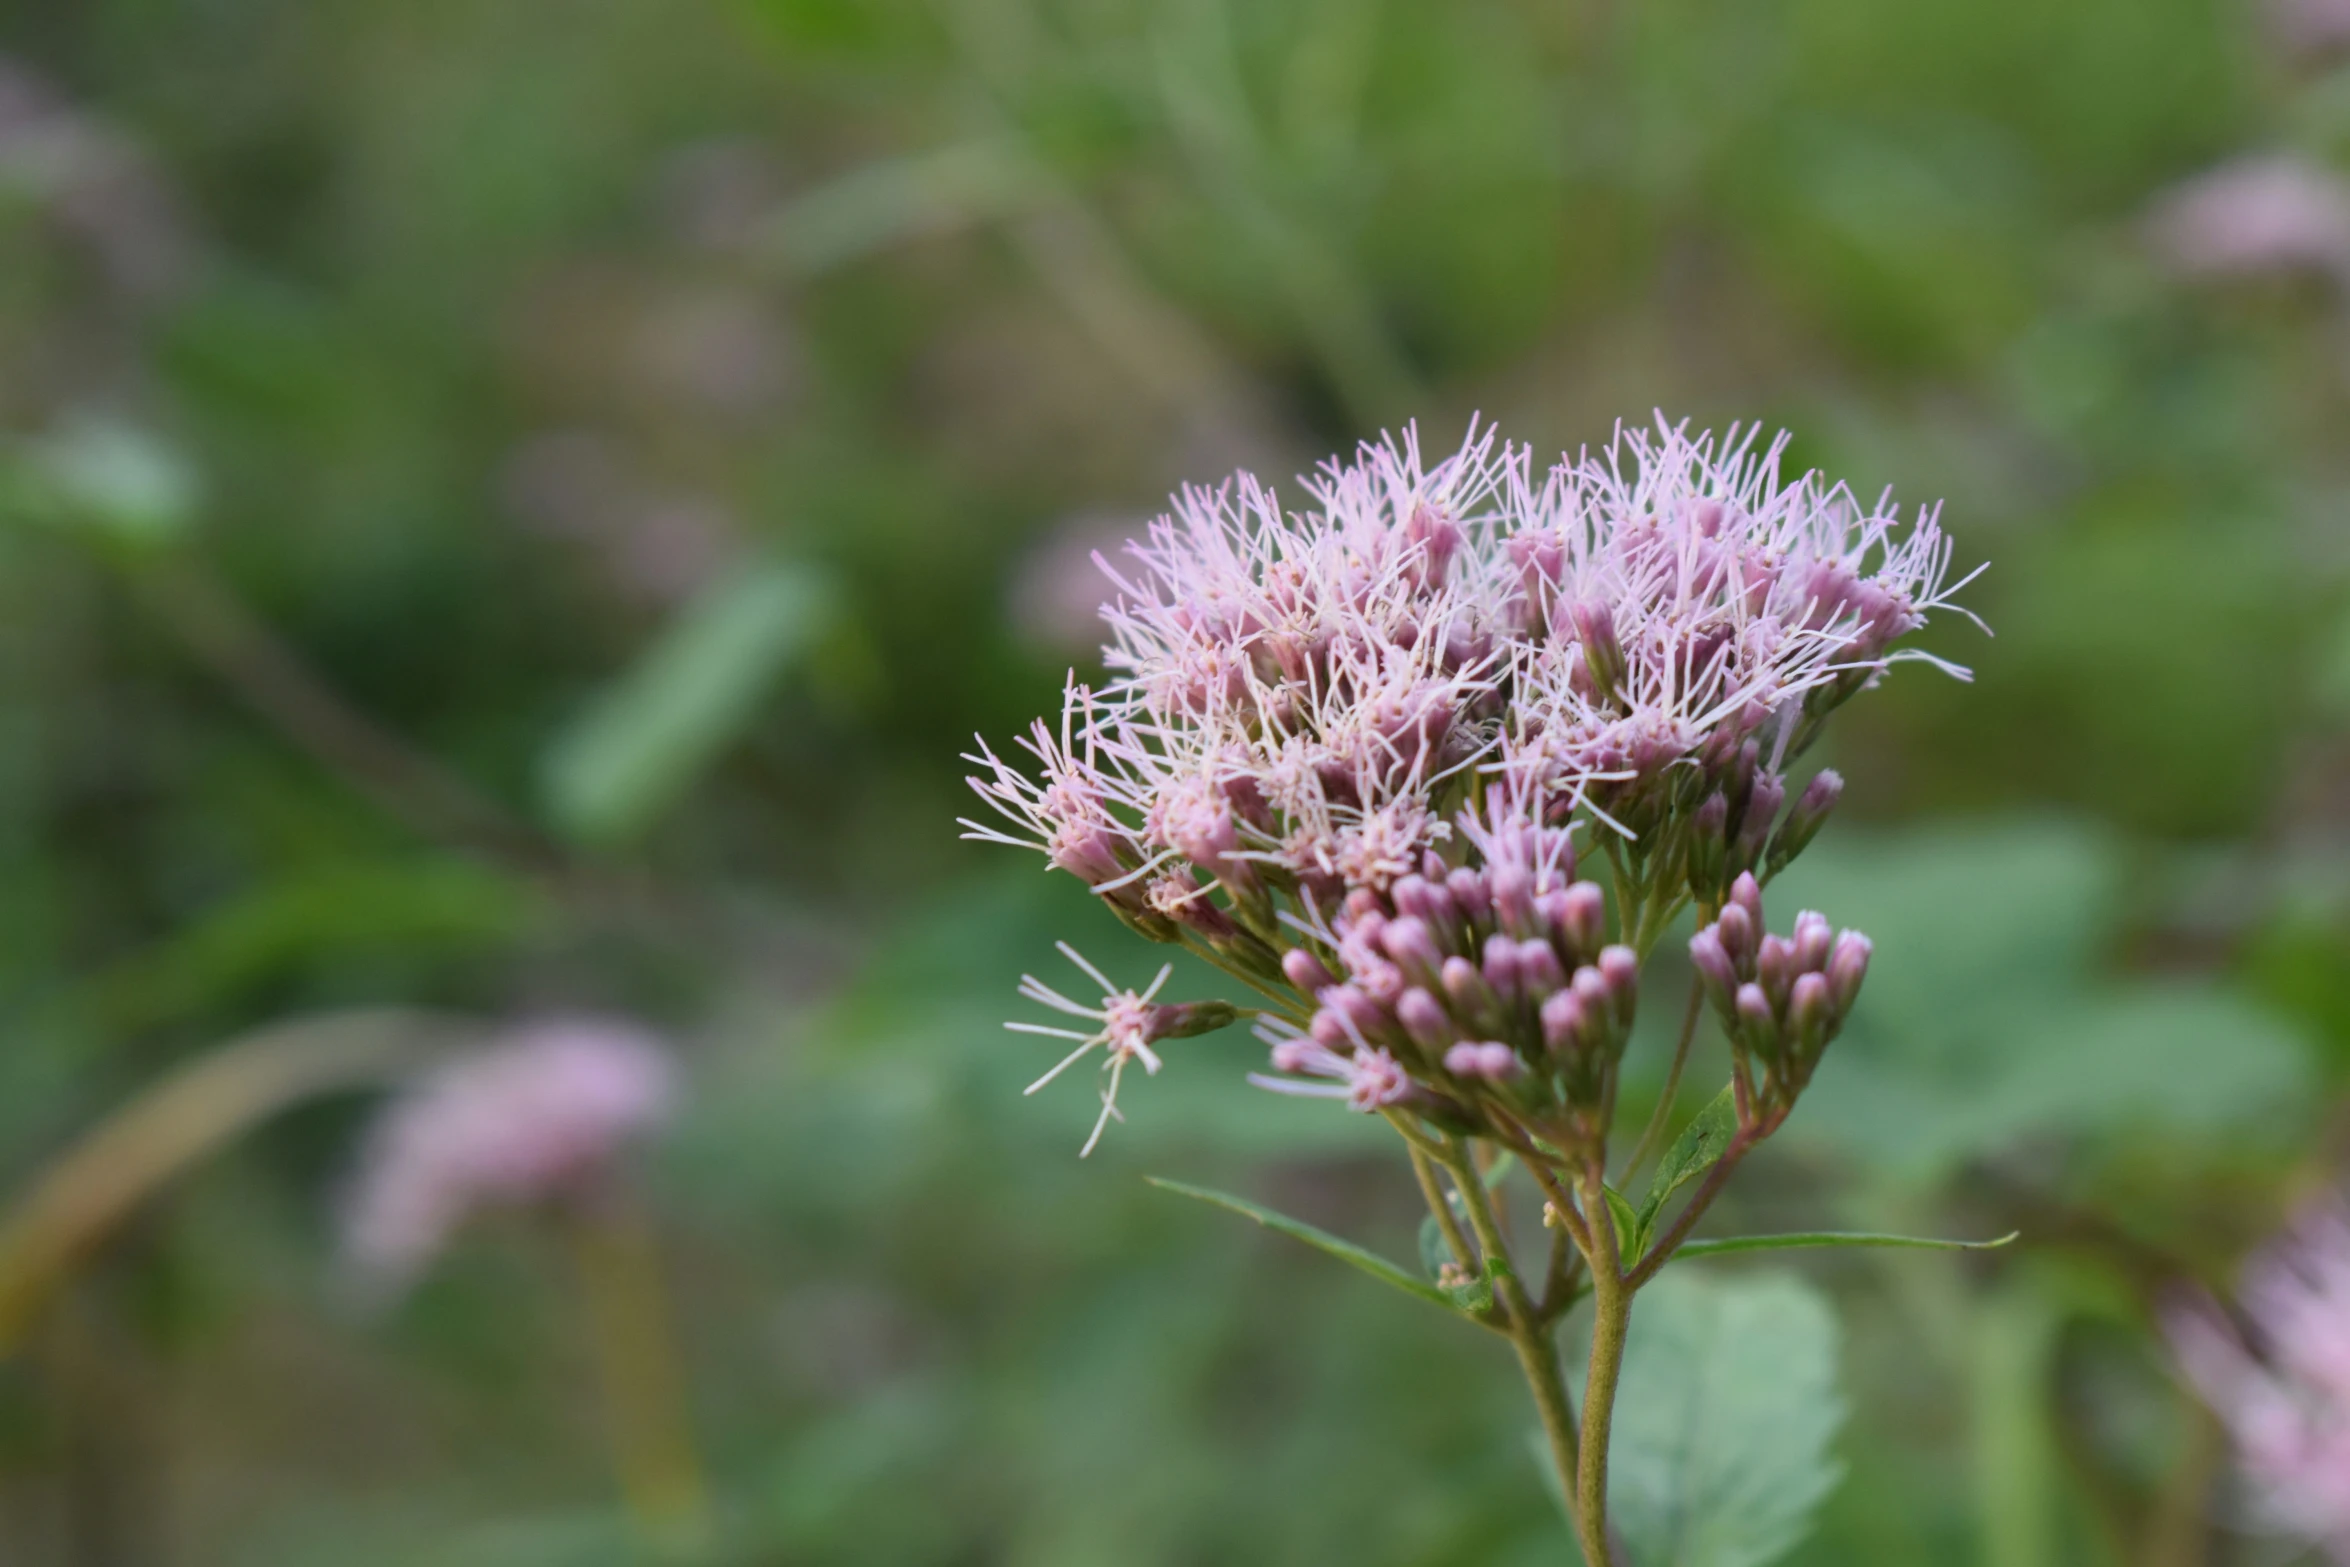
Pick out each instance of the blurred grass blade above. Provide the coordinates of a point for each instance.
(1321, 1240)
(638, 748)
(1814, 1238)
(899, 199)
(77, 1203)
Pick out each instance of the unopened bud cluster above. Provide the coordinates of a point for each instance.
(1779, 998)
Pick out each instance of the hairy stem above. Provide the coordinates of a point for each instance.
(1611, 1294)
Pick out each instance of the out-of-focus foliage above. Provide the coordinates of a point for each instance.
(517, 507)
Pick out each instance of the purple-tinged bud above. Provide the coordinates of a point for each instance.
(1598, 1002)
(1466, 989)
(1619, 966)
(1367, 1016)
(1746, 892)
(1513, 900)
(1714, 968)
(1501, 965)
(1412, 944)
(1563, 1022)
(1813, 933)
(1803, 824)
(1188, 1019)
(1381, 980)
(1471, 894)
(1432, 866)
(1736, 928)
(1603, 655)
(1583, 918)
(1498, 1062)
(1774, 965)
(1848, 965)
(1709, 848)
(1809, 1012)
(1423, 1017)
(1756, 1024)
(1307, 972)
(1329, 1030)
(1550, 908)
(1762, 809)
(1411, 896)
(1713, 817)
(1361, 904)
(1539, 971)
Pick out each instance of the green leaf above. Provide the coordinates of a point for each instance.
(1724, 1419)
(645, 740)
(1631, 1228)
(1828, 1238)
(1692, 1154)
(1321, 1240)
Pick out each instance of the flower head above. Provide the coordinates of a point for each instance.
(2279, 1376)
(1371, 730)
(535, 1118)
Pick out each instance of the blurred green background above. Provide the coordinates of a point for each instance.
(516, 505)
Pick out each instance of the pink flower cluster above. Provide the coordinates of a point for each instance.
(2279, 1377)
(1344, 749)
(535, 1118)
(1781, 999)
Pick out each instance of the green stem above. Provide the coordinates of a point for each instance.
(1611, 1297)
(1440, 1206)
(1528, 1333)
(1653, 1136)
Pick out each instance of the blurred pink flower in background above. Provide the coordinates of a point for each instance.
(2264, 214)
(538, 1117)
(1059, 589)
(2279, 1378)
(2309, 27)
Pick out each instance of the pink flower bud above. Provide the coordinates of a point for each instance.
(1590, 988)
(1813, 933)
(1513, 900)
(1423, 1017)
(1714, 969)
(1746, 892)
(1603, 655)
(1471, 894)
(1736, 928)
(1848, 965)
(1307, 972)
(1368, 1017)
(1293, 1055)
(1413, 946)
(1619, 967)
(1361, 904)
(1465, 1060)
(1762, 809)
(1755, 1020)
(1808, 1012)
(1803, 824)
(1466, 989)
(1583, 918)
(1775, 967)
(1498, 1062)
(1328, 1030)
(1501, 965)
(1411, 895)
(1539, 972)
(1563, 1022)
